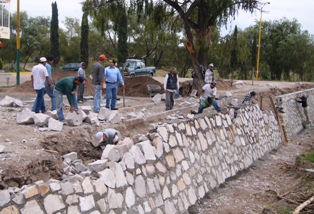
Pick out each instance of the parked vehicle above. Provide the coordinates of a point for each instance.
(136, 67)
(71, 67)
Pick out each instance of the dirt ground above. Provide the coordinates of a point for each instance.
(275, 184)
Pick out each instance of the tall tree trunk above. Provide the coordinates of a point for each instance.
(198, 81)
(203, 42)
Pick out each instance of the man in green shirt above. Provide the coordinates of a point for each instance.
(66, 86)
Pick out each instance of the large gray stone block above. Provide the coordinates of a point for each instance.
(25, 117)
(41, 119)
(74, 119)
(55, 125)
(8, 101)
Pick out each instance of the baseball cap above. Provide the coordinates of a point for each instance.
(42, 59)
(173, 69)
(99, 137)
(211, 65)
(115, 139)
(102, 57)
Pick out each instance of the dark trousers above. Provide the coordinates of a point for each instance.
(80, 92)
(169, 100)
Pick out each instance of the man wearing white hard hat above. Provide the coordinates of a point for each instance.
(209, 74)
(39, 77)
(108, 136)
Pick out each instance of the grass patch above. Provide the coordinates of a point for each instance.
(309, 156)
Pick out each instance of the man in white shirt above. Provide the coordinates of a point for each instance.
(209, 92)
(39, 77)
(209, 74)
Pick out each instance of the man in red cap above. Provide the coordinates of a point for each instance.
(98, 78)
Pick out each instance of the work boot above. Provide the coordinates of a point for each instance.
(193, 112)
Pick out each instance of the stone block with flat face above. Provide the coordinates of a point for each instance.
(25, 117)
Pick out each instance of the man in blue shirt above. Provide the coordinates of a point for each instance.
(47, 88)
(112, 75)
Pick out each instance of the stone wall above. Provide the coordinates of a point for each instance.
(292, 114)
(180, 165)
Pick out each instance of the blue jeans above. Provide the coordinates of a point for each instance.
(49, 91)
(215, 104)
(39, 101)
(97, 98)
(59, 101)
(74, 101)
(111, 94)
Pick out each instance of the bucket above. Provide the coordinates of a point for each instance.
(206, 103)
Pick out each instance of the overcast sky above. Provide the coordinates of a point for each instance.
(277, 9)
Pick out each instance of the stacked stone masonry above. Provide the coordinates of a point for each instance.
(167, 175)
(292, 113)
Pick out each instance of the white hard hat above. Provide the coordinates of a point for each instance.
(42, 59)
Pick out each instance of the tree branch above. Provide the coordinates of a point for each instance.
(304, 204)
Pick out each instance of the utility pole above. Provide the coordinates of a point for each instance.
(18, 44)
(259, 41)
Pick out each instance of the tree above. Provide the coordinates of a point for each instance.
(54, 34)
(275, 34)
(84, 38)
(198, 18)
(73, 27)
(122, 50)
(234, 53)
(254, 52)
(34, 40)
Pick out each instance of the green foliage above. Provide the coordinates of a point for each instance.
(309, 156)
(234, 51)
(54, 34)
(1, 64)
(122, 49)
(84, 38)
(284, 210)
(12, 67)
(156, 32)
(275, 49)
(254, 52)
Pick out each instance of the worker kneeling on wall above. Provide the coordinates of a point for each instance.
(108, 136)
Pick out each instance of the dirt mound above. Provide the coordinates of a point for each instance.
(279, 91)
(137, 86)
(222, 85)
(27, 86)
(134, 87)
